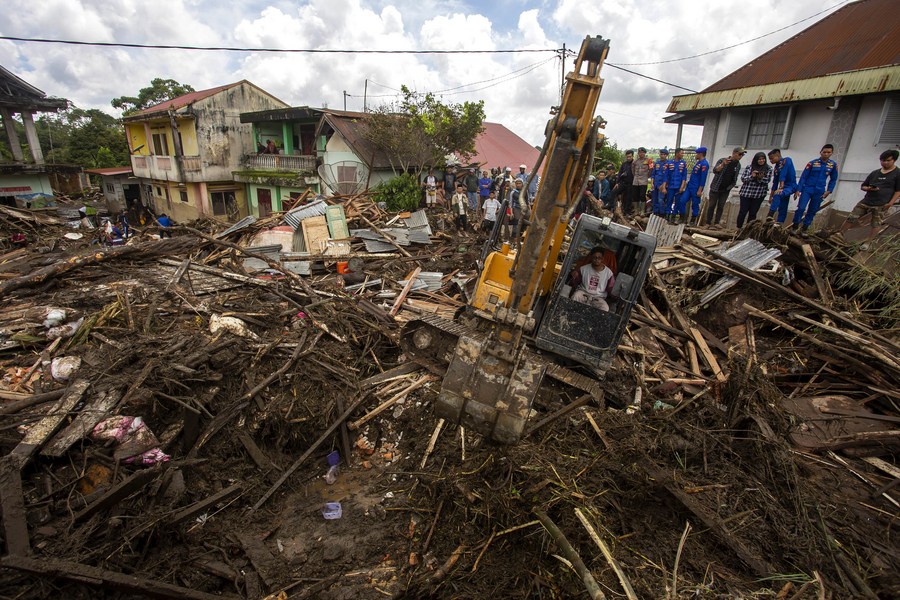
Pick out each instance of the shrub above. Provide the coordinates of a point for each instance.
(399, 193)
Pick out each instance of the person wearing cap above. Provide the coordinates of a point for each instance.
(640, 171)
(657, 182)
(689, 203)
(533, 187)
(816, 183)
(676, 181)
(784, 184)
(725, 175)
(590, 195)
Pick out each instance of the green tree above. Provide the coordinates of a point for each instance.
(159, 90)
(607, 152)
(91, 131)
(423, 131)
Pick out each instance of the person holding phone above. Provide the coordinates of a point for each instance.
(754, 189)
(882, 188)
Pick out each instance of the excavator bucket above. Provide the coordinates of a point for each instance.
(488, 392)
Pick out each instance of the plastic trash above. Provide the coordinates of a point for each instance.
(54, 317)
(332, 511)
(62, 368)
(135, 443)
(65, 330)
(233, 325)
(334, 459)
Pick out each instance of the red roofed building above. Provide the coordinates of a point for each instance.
(837, 82)
(184, 150)
(497, 146)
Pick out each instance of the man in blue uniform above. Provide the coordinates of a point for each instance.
(816, 183)
(657, 181)
(676, 180)
(694, 190)
(784, 183)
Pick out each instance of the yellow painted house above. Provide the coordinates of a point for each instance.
(184, 150)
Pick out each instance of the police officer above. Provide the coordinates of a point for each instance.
(658, 181)
(784, 183)
(812, 188)
(694, 190)
(676, 180)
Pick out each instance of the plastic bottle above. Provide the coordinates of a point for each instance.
(331, 475)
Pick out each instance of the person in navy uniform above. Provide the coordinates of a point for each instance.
(784, 184)
(816, 183)
(676, 180)
(694, 190)
(657, 181)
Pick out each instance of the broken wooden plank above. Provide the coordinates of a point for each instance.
(83, 424)
(103, 579)
(121, 490)
(331, 429)
(23, 401)
(40, 432)
(579, 402)
(391, 401)
(398, 371)
(266, 564)
(708, 355)
(198, 508)
(824, 290)
(259, 457)
(15, 524)
(759, 565)
(405, 291)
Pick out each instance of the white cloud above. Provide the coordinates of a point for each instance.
(639, 32)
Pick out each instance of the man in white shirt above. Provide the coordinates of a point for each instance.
(489, 212)
(596, 281)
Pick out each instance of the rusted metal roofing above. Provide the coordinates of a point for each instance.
(110, 171)
(497, 146)
(861, 35)
(870, 81)
(188, 99)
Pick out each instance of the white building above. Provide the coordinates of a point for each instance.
(836, 82)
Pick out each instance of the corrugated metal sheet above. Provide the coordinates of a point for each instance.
(883, 79)
(749, 253)
(294, 217)
(861, 35)
(245, 222)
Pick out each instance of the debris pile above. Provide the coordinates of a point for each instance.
(204, 417)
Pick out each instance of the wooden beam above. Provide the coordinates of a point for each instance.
(15, 525)
(41, 431)
(198, 508)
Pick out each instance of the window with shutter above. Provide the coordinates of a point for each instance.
(738, 126)
(889, 126)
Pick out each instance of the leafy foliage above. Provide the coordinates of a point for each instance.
(402, 192)
(421, 131)
(606, 153)
(159, 90)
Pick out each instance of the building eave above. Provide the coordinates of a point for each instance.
(851, 83)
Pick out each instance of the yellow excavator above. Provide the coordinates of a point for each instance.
(494, 359)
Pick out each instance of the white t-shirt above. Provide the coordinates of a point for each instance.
(491, 206)
(595, 283)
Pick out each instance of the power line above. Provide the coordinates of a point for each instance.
(675, 85)
(671, 60)
(273, 50)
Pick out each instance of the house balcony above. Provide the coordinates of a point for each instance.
(166, 167)
(279, 162)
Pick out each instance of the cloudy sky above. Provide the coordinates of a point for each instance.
(517, 88)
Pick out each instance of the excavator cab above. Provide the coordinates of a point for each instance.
(581, 332)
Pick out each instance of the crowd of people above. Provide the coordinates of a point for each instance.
(667, 187)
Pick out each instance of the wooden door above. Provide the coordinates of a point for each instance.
(264, 199)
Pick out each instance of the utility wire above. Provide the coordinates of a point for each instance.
(274, 50)
(675, 85)
(759, 37)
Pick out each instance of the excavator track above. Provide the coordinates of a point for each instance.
(431, 340)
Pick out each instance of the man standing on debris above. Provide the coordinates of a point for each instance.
(640, 172)
(430, 189)
(485, 184)
(164, 223)
(603, 185)
(489, 208)
(124, 225)
(621, 192)
(812, 188)
(882, 188)
(657, 183)
(449, 181)
(784, 184)
(471, 181)
(533, 187)
(725, 175)
(458, 204)
(596, 281)
(689, 203)
(676, 180)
